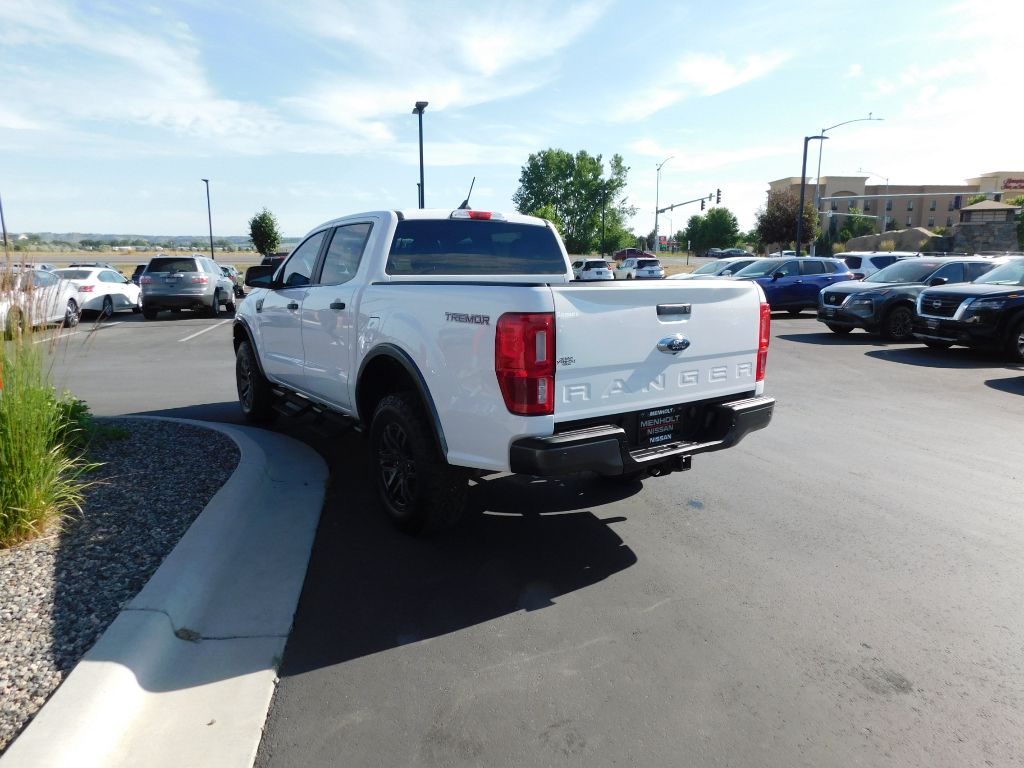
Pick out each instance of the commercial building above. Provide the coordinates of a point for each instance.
(915, 205)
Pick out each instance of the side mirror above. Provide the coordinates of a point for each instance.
(261, 276)
(777, 275)
(726, 272)
(937, 281)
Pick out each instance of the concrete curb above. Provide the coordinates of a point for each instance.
(185, 673)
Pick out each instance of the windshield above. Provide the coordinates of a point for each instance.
(1011, 273)
(173, 264)
(712, 268)
(907, 271)
(760, 268)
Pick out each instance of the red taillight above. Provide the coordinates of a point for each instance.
(480, 215)
(145, 280)
(86, 288)
(200, 279)
(858, 275)
(764, 336)
(524, 361)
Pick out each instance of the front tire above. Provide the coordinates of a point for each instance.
(254, 393)
(842, 330)
(1015, 342)
(417, 488)
(108, 308)
(898, 324)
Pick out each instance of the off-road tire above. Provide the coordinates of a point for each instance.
(898, 324)
(417, 488)
(842, 330)
(254, 394)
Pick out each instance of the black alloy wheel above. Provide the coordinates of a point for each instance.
(898, 324)
(418, 489)
(254, 393)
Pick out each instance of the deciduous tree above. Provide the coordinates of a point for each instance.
(574, 190)
(264, 233)
(776, 221)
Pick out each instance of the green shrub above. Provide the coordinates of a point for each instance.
(42, 439)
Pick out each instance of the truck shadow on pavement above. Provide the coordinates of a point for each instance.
(956, 357)
(1013, 385)
(525, 542)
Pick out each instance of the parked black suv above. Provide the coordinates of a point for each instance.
(988, 313)
(883, 302)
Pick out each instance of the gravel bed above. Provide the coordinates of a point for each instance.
(61, 592)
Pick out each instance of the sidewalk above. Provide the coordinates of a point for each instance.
(185, 674)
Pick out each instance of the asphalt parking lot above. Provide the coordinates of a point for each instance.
(843, 588)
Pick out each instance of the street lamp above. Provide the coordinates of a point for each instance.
(418, 110)
(803, 180)
(657, 186)
(817, 177)
(882, 220)
(209, 216)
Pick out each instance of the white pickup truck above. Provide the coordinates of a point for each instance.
(459, 341)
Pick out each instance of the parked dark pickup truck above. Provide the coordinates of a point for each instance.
(988, 313)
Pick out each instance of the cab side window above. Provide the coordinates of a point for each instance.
(299, 267)
(344, 253)
(812, 267)
(789, 269)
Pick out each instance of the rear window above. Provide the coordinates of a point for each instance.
(648, 263)
(74, 274)
(596, 265)
(173, 264)
(883, 261)
(853, 262)
(473, 247)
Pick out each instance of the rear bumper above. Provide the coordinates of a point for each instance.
(605, 449)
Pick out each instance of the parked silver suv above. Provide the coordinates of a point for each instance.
(185, 282)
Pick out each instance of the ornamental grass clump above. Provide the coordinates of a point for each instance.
(41, 449)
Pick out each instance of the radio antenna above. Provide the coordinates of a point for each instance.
(465, 203)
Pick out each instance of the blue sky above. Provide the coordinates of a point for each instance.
(111, 112)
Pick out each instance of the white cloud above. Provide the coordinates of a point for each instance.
(855, 70)
(699, 74)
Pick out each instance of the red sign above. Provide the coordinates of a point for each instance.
(1013, 184)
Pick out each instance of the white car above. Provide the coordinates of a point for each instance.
(781, 254)
(639, 268)
(35, 297)
(864, 263)
(103, 290)
(592, 269)
(717, 268)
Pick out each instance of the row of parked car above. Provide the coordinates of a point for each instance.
(41, 294)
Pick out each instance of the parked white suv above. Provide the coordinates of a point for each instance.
(591, 269)
(639, 268)
(864, 263)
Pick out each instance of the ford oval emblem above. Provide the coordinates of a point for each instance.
(673, 345)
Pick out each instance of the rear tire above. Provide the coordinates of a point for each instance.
(71, 314)
(842, 330)
(898, 325)
(1015, 342)
(108, 307)
(254, 393)
(795, 312)
(417, 488)
(214, 309)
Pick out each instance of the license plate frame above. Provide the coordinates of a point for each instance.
(657, 426)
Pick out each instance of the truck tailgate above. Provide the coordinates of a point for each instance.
(608, 335)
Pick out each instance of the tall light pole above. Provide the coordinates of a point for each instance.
(657, 187)
(803, 183)
(418, 110)
(817, 177)
(881, 219)
(209, 216)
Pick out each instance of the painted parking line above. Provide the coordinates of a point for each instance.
(200, 333)
(56, 337)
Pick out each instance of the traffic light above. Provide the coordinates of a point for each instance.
(702, 203)
(718, 196)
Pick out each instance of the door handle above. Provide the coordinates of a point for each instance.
(797, 282)
(293, 305)
(337, 305)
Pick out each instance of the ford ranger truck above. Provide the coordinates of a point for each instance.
(459, 343)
